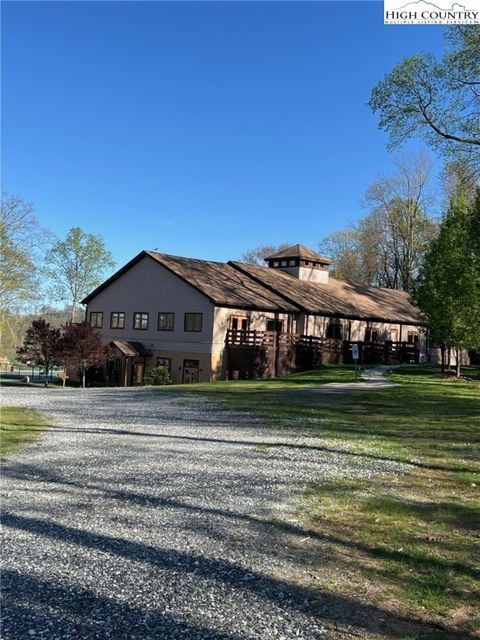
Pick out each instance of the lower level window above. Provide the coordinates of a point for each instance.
(275, 325)
(334, 330)
(140, 320)
(96, 319)
(193, 321)
(165, 363)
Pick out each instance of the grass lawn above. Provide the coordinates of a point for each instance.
(19, 426)
(407, 543)
(302, 379)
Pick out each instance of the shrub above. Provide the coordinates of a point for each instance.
(158, 376)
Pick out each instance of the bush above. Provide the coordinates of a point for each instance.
(158, 376)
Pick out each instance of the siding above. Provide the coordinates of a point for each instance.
(149, 287)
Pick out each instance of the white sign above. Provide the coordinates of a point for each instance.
(435, 12)
(355, 351)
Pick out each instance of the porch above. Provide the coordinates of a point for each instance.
(126, 363)
(267, 354)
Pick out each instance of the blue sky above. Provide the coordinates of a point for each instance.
(197, 128)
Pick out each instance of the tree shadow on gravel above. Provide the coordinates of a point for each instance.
(271, 526)
(330, 607)
(30, 604)
(273, 445)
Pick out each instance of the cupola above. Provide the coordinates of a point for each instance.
(301, 262)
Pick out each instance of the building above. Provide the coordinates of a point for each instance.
(209, 320)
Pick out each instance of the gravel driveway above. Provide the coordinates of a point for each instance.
(146, 515)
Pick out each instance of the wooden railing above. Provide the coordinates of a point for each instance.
(369, 352)
(271, 338)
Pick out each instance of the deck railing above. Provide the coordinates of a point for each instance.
(370, 352)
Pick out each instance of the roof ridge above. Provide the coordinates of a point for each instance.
(299, 251)
(171, 255)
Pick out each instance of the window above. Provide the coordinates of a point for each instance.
(276, 263)
(166, 321)
(165, 363)
(96, 319)
(283, 263)
(193, 322)
(371, 335)
(117, 320)
(412, 338)
(275, 325)
(292, 263)
(140, 320)
(334, 330)
(239, 323)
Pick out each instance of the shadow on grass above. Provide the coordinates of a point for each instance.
(454, 514)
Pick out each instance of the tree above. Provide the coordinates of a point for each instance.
(258, 255)
(448, 286)
(348, 250)
(398, 224)
(22, 242)
(386, 246)
(41, 346)
(82, 347)
(76, 266)
(436, 100)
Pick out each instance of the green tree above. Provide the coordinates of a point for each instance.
(438, 101)
(448, 286)
(22, 246)
(76, 266)
(42, 346)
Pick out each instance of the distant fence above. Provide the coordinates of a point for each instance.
(34, 372)
(265, 354)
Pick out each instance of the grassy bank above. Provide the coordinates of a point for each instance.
(406, 543)
(302, 379)
(19, 427)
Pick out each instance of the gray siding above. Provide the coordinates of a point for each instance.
(149, 287)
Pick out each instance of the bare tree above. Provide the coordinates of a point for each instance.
(398, 224)
(349, 249)
(258, 255)
(385, 247)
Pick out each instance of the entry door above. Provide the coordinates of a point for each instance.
(137, 377)
(191, 371)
